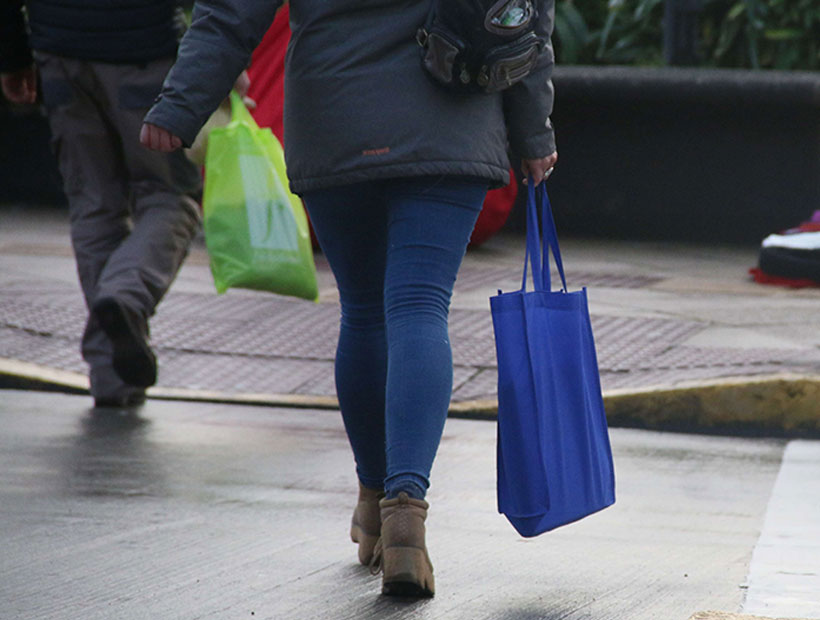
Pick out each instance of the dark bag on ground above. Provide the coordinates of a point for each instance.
(554, 457)
(794, 253)
(473, 46)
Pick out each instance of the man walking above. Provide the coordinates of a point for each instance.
(133, 214)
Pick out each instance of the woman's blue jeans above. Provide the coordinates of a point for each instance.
(395, 247)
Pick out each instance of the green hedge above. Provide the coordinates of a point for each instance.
(750, 34)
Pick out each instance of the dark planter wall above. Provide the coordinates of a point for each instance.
(677, 154)
(683, 154)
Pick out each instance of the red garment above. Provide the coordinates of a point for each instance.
(761, 277)
(267, 74)
(267, 89)
(494, 213)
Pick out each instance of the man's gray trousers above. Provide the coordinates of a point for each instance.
(131, 210)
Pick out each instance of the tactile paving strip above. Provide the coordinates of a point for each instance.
(507, 277)
(245, 342)
(240, 374)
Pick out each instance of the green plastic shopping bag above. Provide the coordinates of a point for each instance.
(256, 231)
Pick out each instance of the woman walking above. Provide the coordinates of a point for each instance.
(393, 170)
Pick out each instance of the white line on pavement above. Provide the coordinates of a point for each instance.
(784, 575)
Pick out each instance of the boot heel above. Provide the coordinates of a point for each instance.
(401, 554)
(407, 572)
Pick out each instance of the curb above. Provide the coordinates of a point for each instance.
(780, 405)
(721, 615)
(772, 405)
(296, 401)
(18, 375)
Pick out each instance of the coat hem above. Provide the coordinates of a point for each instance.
(495, 175)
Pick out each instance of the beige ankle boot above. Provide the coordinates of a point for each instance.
(401, 553)
(367, 523)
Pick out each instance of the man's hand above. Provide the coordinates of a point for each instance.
(539, 168)
(158, 139)
(20, 86)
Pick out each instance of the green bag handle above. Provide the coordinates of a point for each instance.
(239, 112)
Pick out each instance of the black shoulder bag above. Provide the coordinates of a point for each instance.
(480, 46)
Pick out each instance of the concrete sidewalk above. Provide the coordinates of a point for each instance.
(685, 339)
(199, 510)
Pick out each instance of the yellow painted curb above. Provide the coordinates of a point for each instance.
(270, 400)
(784, 403)
(721, 615)
(25, 375)
(34, 376)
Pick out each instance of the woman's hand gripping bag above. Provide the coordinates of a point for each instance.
(554, 456)
(256, 230)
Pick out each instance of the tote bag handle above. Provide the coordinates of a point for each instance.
(539, 246)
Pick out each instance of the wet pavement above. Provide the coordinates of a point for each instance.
(201, 510)
(196, 509)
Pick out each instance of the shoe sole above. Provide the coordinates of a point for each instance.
(407, 573)
(406, 589)
(119, 403)
(133, 359)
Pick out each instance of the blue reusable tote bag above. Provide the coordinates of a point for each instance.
(554, 458)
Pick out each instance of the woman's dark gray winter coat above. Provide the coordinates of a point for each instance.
(358, 105)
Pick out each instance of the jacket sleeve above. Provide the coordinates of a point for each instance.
(528, 104)
(216, 48)
(14, 51)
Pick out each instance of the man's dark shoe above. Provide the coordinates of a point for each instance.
(134, 399)
(134, 361)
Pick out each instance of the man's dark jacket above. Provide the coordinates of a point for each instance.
(113, 31)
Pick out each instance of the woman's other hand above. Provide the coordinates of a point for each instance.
(540, 168)
(158, 139)
(241, 86)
